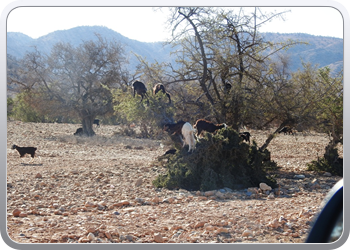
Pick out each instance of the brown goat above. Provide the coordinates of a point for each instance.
(160, 87)
(204, 125)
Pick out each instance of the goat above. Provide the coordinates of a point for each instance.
(286, 130)
(167, 154)
(185, 129)
(79, 132)
(160, 87)
(174, 128)
(170, 152)
(228, 87)
(25, 150)
(188, 134)
(204, 125)
(245, 136)
(97, 122)
(140, 89)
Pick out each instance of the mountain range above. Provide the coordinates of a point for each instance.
(319, 50)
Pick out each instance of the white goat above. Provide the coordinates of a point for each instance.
(188, 134)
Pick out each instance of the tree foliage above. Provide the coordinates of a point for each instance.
(151, 114)
(75, 81)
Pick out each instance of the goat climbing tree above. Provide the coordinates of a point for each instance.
(76, 80)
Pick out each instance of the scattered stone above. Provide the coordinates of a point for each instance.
(16, 212)
(138, 182)
(222, 230)
(327, 174)
(91, 236)
(199, 224)
(274, 223)
(253, 190)
(220, 195)
(271, 196)
(264, 187)
(89, 204)
(38, 175)
(247, 233)
(155, 199)
(102, 203)
(129, 237)
(158, 238)
(209, 193)
(139, 200)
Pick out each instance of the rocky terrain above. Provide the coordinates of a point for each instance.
(99, 190)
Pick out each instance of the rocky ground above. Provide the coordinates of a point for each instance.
(99, 190)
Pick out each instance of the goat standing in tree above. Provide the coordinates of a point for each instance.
(204, 125)
(140, 89)
(160, 88)
(185, 131)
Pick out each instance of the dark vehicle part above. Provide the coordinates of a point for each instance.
(328, 226)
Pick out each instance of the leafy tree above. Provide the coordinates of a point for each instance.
(22, 109)
(330, 120)
(76, 81)
(151, 114)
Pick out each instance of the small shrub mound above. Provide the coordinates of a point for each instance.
(220, 160)
(330, 162)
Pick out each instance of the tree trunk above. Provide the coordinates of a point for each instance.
(271, 136)
(87, 125)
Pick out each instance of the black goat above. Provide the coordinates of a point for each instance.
(25, 150)
(170, 152)
(79, 132)
(167, 154)
(174, 128)
(204, 125)
(140, 89)
(286, 130)
(97, 122)
(245, 136)
(160, 87)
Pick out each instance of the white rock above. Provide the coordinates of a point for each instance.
(247, 233)
(91, 236)
(158, 238)
(264, 187)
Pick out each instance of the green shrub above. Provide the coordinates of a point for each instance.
(220, 160)
(151, 114)
(22, 109)
(330, 162)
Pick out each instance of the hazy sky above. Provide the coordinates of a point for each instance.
(145, 24)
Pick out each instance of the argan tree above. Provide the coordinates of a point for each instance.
(223, 51)
(76, 81)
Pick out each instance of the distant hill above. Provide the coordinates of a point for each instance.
(323, 51)
(320, 50)
(18, 44)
